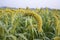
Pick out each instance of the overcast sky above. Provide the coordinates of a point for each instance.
(31, 3)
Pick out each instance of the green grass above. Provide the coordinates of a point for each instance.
(24, 27)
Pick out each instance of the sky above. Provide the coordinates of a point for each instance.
(31, 3)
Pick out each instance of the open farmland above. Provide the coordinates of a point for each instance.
(29, 24)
